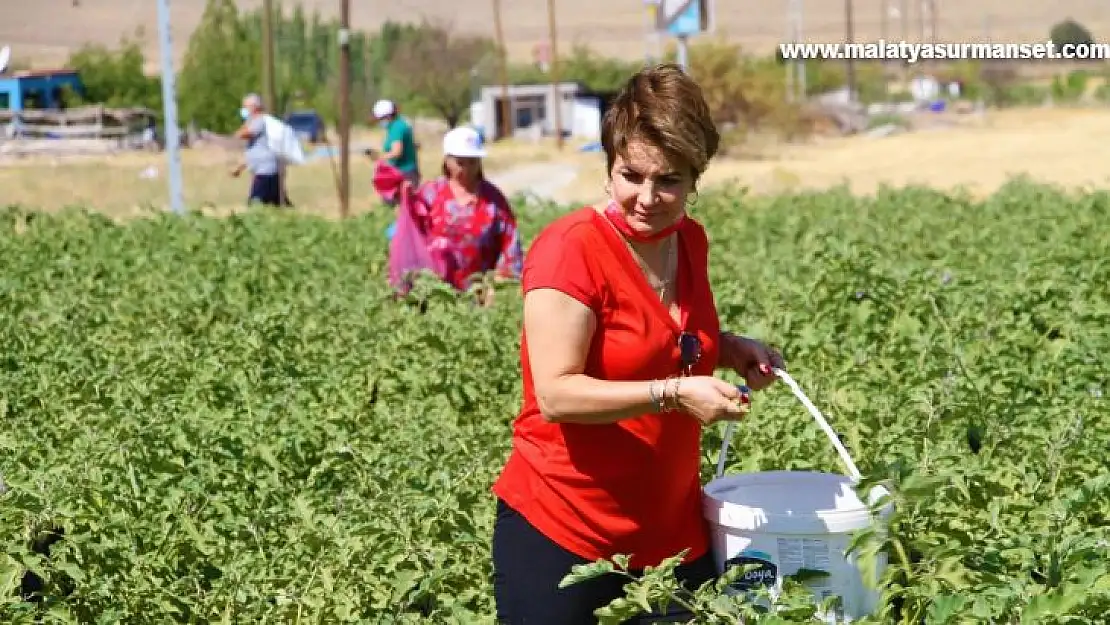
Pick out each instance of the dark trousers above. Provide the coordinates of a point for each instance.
(527, 569)
(268, 189)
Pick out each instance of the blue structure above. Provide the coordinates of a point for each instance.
(691, 19)
(37, 90)
(308, 124)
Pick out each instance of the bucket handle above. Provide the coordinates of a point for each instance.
(853, 472)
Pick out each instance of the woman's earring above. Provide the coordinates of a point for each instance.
(692, 202)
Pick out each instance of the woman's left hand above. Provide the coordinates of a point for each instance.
(751, 359)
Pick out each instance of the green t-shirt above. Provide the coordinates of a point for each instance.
(400, 130)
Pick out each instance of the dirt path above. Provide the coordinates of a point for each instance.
(541, 180)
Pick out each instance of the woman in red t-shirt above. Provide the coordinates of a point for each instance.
(621, 339)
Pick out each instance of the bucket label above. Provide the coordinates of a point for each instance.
(805, 553)
(764, 573)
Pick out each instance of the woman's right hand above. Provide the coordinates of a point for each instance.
(710, 399)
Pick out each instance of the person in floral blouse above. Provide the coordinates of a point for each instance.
(466, 220)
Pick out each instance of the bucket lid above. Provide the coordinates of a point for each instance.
(789, 502)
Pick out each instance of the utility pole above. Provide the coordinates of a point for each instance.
(795, 69)
(269, 92)
(505, 127)
(883, 19)
(652, 35)
(922, 7)
(683, 50)
(904, 14)
(344, 108)
(557, 93)
(803, 91)
(891, 71)
(792, 37)
(848, 38)
(933, 26)
(169, 108)
(933, 21)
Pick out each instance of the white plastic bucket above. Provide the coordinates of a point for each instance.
(784, 521)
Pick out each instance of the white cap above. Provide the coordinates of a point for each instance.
(463, 142)
(384, 108)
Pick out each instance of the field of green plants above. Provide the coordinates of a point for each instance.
(231, 421)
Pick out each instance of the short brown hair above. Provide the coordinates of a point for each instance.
(665, 107)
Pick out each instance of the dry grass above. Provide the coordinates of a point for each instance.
(117, 186)
(41, 30)
(1059, 146)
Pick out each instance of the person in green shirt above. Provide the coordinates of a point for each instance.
(399, 147)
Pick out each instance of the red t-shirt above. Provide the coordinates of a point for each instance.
(629, 487)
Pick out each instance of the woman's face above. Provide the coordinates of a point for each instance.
(464, 169)
(649, 189)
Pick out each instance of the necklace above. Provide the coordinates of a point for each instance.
(662, 285)
(659, 285)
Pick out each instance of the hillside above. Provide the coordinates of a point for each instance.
(43, 31)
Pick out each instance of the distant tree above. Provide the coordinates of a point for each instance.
(583, 66)
(744, 92)
(1070, 31)
(222, 64)
(734, 93)
(596, 72)
(433, 65)
(116, 78)
(1000, 82)
(306, 61)
(384, 47)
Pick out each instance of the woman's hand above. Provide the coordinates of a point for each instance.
(486, 296)
(751, 359)
(710, 400)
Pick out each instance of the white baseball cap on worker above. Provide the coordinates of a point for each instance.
(463, 142)
(384, 108)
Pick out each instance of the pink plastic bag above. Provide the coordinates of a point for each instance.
(408, 249)
(387, 181)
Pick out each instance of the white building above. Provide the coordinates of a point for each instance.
(530, 107)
